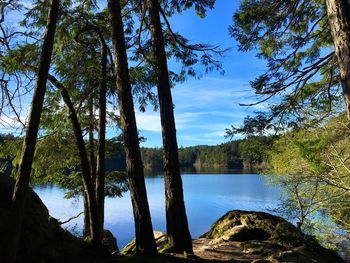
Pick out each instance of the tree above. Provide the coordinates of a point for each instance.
(90, 192)
(302, 68)
(25, 167)
(253, 150)
(145, 242)
(179, 237)
(101, 157)
(312, 166)
(339, 23)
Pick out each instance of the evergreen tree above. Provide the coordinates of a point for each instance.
(9, 249)
(179, 237)
(303, 71)
(145, 243)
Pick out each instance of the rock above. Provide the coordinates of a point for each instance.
(293, 256)
(260, 237)
(244, 225)
(160, 238)
(110, 241)
(42, 239)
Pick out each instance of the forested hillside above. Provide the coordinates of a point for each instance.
(238, 154)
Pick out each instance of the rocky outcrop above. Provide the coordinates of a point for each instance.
(249, 236)
(242, 236)
(42, 239)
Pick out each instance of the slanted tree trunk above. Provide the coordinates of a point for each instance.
(179, 237)
(338, 12)
(100, 179)
(84, 164)
(25, 167)
(145, 243)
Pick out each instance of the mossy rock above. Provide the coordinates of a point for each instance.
(42, 239)
(249, 225)
(161, 241)
(269, 233)
(242, 226)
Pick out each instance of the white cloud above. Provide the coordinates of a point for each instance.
(148, 121)
(11, 123)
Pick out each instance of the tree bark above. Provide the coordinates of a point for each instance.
(87, 219)
(179, 237)
(338, 12)
(91, 138)
(25, 167)
(84, 164)
(86, 225)
(100, 179)
(145, 243)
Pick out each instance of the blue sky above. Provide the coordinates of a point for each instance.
(205, 107)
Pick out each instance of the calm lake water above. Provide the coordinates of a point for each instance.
(208, 196)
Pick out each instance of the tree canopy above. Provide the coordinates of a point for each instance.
(302, 80)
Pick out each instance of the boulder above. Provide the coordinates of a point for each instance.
(245, 225)
(160, 238)
(110, 241)
(265, 237)
(42, 238)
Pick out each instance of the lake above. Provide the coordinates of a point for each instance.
(208, 196)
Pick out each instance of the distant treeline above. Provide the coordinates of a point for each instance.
(238, 154)
(246, 153)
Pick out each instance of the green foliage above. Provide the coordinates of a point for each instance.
(251, 151)
(312, 166)
(302, 77)
(254, 149)
(57, 161)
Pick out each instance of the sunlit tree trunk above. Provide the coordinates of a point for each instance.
(178, 233)
(100, 179)
(145, 243)
(338, 12)
(87, 219)
(22, 183)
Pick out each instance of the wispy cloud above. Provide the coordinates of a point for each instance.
(148, 121)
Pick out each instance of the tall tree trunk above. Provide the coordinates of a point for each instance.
(84, 164)
(91, 138)
(100, 179)
(338, 12)
(25, 167)
(145, 243)
(179, 237)
(87, 219)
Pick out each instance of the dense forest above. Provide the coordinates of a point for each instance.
(249, 153)
(74, 74)
(246, 153)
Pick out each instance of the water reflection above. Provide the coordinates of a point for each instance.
(207, 195)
